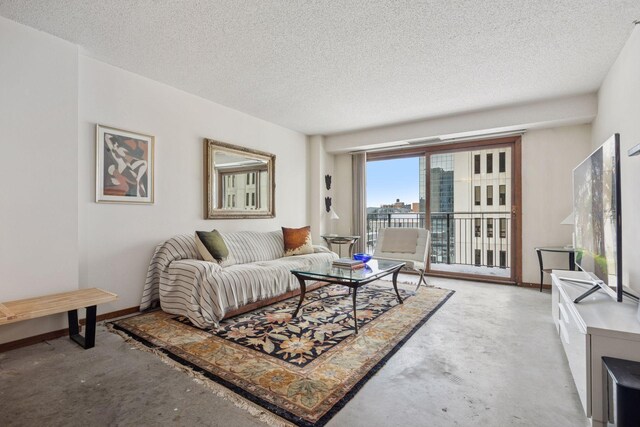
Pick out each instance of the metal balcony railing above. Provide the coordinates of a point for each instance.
(481, 239)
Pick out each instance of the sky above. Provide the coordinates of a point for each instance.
(388, 180)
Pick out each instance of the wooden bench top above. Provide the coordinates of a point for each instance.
(31, 308)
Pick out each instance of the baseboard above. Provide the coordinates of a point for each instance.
(470, 278)
(535, 285)
(24, 342)
(114, 314)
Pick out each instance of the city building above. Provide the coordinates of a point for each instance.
(482, 205)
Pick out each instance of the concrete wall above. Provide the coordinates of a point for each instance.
(38, 173)
(619, 112)
(54, 236)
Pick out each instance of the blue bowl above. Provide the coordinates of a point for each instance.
(362, 257)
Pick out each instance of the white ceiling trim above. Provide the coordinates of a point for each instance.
(536, 115)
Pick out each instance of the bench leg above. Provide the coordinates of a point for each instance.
(89, 339)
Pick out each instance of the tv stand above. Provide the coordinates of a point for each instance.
(597, 327)
(597, 288)
(596, 285)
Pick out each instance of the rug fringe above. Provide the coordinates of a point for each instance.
(219, 390)
(411, 283)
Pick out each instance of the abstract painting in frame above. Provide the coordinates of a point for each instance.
(124, 166)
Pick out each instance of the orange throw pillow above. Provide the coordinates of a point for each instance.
(297, 241)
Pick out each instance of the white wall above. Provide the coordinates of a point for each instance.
(342, 194)
(320, 164)
(619, 112)
(54, 237)
(549, 113)
(117, 240)
(548, 159)
(38, 175)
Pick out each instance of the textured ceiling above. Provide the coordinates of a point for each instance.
(322, 67)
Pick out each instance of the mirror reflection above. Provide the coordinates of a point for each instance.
(239, 181)
(243, 182)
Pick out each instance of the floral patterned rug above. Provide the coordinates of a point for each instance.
(305, 369)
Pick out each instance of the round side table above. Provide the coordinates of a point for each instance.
(340, 240)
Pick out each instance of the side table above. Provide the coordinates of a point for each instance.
(333, 239)
(570, 251)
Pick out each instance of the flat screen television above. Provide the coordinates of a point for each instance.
(598, 218)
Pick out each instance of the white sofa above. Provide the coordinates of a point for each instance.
(256, 270)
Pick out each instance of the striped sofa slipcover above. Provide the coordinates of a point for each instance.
(256, 269)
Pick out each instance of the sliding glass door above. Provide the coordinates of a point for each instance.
(470, 211)
(466, 194)
(396, 195)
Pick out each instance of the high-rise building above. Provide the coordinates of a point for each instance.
(441, 195)
(422, 180)
(482, 202)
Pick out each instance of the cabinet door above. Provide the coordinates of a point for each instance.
(555, 300)
(576, 346)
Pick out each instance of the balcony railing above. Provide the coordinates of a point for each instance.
(477, 239)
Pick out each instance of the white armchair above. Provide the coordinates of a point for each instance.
(410, 245)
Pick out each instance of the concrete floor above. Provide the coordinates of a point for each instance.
(489, 357)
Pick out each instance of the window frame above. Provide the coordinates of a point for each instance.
(502, 195)
(502, 161)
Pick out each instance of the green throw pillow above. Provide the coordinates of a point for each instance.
(211, 246)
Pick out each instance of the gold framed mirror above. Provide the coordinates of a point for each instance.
(239, 182)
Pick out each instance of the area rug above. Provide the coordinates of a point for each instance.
(305, 369)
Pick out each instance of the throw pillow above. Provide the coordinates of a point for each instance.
(297, 241)
(211, 246)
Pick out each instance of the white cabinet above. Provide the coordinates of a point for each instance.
(597, 326)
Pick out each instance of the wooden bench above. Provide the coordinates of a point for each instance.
(32, 308)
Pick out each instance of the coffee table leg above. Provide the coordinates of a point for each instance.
(395, 284)
(355, 314)
(303, 291)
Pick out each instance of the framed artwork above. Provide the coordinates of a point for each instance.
(124, 166)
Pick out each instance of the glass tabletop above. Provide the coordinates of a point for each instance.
(339, 239)
(372, 269)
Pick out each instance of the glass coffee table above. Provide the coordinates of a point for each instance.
(353, 279)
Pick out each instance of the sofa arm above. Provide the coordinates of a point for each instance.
(320, 249)
(212, 267)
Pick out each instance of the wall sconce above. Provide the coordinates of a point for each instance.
(327, 181)
(327, 203)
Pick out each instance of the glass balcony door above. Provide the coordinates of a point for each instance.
(470, 211)
(465, 194)
(396, 195)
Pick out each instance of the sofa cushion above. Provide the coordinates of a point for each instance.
(297, 241)
(211, 246)
(402, 240)
(252, 246)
